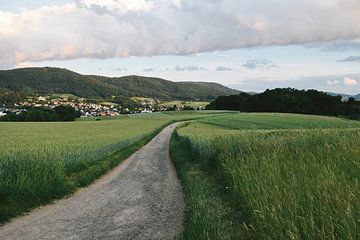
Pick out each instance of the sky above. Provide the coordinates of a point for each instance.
(250, 45)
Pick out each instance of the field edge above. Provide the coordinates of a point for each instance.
(208, 213)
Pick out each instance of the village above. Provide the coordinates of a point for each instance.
(83, 106)
(87, 108)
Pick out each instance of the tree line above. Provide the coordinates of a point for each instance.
(289, 100)
(58, 114)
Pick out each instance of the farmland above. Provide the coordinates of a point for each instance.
(251, 176)
(270, 176)
(185, 103)
(43, 161)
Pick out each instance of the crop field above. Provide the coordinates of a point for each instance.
(255, 121)
(270, 176)
(252, 176)
(43, 161)
(184, 103)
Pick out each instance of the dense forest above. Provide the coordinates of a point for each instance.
(58, 114)
(48, 81)
(288, 100)
(8, 97)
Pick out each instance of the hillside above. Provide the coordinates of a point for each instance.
(344, 97)
(56, 80)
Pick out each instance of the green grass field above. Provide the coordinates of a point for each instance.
(251, 176)
(108, 104)
(64, 95)
(256, 121)
(184, 103)
(43, 161)
(270, 176)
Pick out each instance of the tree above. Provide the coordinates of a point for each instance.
(288, 100)
(351, 101)
(65, 113)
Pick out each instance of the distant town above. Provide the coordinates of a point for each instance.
(88, 108)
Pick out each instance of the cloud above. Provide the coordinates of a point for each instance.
(339, 46)
(314, 82)
(177, 68)
(261, 64)
(351, 59)
(332, 82)
(120, 69)
(26, 65)
(120, 6)
(189, 68)
(150, 69)
(222, 68)
(350, 82)
(123, 28)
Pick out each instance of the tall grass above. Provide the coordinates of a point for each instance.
(208, 215)
(285, 184)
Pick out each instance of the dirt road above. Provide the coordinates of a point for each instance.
(140, 199)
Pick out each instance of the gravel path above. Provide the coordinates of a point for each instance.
(140, 199)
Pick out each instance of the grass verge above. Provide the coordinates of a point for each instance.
(208, 214)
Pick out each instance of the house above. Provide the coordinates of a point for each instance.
(146, 111)
(113, 114)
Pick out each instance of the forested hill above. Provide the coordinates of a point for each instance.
(289, 100)
(55, 80)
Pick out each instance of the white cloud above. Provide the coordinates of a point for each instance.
(120, 69)
(177, 3)
(334, 82)
(188, 68)
(222, 68)
(350, 82)
(261, 64)
(150, 69)
(177, 68)
(122, 28)
(26, 65)
(121, 6)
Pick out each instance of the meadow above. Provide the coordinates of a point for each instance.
(270, 176)
(184, 103)
(43, 161)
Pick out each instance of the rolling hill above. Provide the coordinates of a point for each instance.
(345, 97)
(357, 97)
(55, 80)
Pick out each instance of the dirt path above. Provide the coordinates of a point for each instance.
(140, 199)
